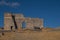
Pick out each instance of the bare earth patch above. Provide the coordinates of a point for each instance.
(35, 35)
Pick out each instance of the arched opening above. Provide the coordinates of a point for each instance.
(23, 25)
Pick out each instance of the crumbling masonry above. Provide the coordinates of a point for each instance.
(15, 22)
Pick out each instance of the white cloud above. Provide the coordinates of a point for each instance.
(13, 4)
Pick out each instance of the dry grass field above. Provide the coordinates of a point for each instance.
(31, 35)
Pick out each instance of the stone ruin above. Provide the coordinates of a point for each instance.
(15, 22)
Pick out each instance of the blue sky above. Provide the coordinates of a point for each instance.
(49, 10)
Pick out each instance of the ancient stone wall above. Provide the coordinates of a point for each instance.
(29, 24)
(19, 19)
(37, 22)
(8, 22)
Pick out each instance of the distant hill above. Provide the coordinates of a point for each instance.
(57, 28)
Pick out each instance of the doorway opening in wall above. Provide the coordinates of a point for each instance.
(37, 28)
(23, 25)
(11, 27)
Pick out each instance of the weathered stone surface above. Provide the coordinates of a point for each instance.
(8, 22)
(29, 24)
(19, 18)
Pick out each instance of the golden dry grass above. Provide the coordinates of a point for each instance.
(31, 35)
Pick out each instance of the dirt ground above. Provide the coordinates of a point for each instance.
(28, 35)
